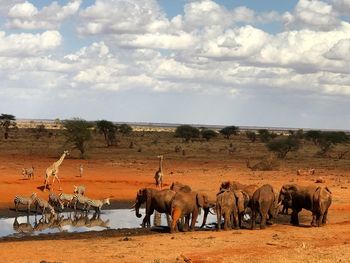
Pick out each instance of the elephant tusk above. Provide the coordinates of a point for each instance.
(211, 212)
(133, 206)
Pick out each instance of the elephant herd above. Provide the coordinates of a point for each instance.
(233, 201)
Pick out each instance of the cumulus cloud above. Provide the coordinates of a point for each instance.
(27, 16)
(122, 17)
(312, 14)
(25, 44)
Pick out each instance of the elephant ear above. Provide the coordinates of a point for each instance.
(239, 200)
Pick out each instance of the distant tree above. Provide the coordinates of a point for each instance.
(314, 136)
(108, 129)
(330, 139)
(282, 146)
(265, 135)
(7, 122)
(208, 134)
(125, 129)
(251, 135)
(57, 123)
(78, 132)
(186, 132)
(40, 131)
(229, 130)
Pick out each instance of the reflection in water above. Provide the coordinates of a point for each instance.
(78, 222)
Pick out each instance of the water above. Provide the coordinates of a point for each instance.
(70, 222)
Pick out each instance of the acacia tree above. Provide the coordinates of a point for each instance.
(108, 129)
(7, 121)
(78, 133)
(208, 134)
(229, 130)
(282, 146)
(186, 132)
(125, 129)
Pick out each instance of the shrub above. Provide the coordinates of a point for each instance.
(7, 121)
(282, 146)
(78, 133)
(108, 129)
(208, 134)
(229, 130)
(125, 129)
(251, 136)
(186, 132)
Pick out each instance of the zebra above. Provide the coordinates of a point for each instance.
(28, 172)
(79, 189)
(81, 199)
(97, 204)
(23, 200)
(55, 201)
(43, 204)
(67, 199)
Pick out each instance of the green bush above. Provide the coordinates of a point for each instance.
(186, 132)
(251, 136)
(229, 130)
(208, 134)
(282, 146)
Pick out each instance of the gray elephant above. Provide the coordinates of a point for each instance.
(264, 203)
(159, 200)
(242, 202)
(187, 205)
(226, 207)
(322, 199)
(305, 197)
(234, 185)
(179, 187)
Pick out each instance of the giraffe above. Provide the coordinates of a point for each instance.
(159, 174)
(52, 170)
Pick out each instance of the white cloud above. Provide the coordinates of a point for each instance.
(122, 17)
(25, 44)
(27, 16)
(312, 14)
(340, 51)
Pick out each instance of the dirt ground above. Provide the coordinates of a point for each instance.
(120, 181)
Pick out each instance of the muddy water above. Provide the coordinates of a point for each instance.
(80, 222)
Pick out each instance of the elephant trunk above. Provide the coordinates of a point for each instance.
(206, 211)
(137, 209)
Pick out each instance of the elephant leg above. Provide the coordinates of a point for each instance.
(194, 219)
(175, 215)
(168, 220)
(187, 223)
(314, 216)
(324, 219)
(263, 215)
(240, 216)
(227, 220)
(320, 219)
(253, 219)
(294, 219)
(218, 217)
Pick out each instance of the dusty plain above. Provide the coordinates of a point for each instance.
(119, 171)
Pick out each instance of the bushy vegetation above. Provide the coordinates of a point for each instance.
(282, 146)
(109, 130)
(78, 133)
(125, 129)
(229, 130)
(7, 122)
(251, 136)
(208, 134)
(326, 140)
(265, 135)
(187, 132)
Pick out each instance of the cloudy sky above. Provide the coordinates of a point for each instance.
(226, 62)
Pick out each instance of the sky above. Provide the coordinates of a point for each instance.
(245, 63)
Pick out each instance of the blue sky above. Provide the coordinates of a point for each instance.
(258, 63)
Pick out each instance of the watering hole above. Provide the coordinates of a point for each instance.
(70, 222)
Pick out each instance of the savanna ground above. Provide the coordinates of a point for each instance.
(118, 172)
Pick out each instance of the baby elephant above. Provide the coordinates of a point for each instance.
(226, 207)
(263, 202)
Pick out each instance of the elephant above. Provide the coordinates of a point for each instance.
(159, 200)
(187, 205)
(179, 187)
(311, 198)
(264, 203)
(234, 185)
(322, 199)
(241, 201)
(226, 206)
(305, 197)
